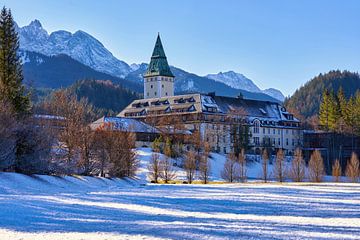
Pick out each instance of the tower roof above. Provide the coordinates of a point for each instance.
(158, 65)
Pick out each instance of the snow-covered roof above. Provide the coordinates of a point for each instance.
(51, 117)
(124, 124)
(212, 104)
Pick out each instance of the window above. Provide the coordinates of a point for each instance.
(162, 86)
(166, 94)
(274, 131)
(287, 142)
(155, 93)
(256, 141)
(148, 94)
(256, 126)
(263, 130)
(279, 131)
(273, 141)
(287, 131)
(268, 130)
(293, 142)
(279, 142)
(151, 86)
(224, 149)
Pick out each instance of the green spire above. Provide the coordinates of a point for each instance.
(158, 65)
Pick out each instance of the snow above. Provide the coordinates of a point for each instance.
(239, 81)
(49, 207)
(235, 80)
(81, 46)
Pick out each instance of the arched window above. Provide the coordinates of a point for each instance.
(256, 126)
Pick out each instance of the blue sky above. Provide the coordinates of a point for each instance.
(279, 43)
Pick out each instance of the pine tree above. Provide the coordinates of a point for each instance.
(11, 88)
(342, 105)
(334, 112)
(324, 110)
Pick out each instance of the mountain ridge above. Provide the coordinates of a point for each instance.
(89, 51)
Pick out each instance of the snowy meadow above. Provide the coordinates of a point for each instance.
(49, 207)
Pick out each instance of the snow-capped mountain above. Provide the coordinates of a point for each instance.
(275, 93)
(79, 45)
(234, 80)
(239, 81)
(87, 50)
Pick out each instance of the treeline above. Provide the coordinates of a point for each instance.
(305, 102)
(197, 166)
(339, 114)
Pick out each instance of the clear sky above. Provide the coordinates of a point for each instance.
(278, 43)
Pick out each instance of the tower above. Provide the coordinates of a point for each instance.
(158, 79)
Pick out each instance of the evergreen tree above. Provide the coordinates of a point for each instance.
(329, 111)
(324, 110)
(343, 111)
(11, 88)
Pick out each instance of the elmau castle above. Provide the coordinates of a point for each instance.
(219, 120)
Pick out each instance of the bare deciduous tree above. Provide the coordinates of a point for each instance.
(265, 165)
(279, 170)
(8, 128)
(76, 114)
(86, 146)
(154, 167)
(352, 168)
(316, 167)
(167, 172)
(190, 166)
(242, 166)
(231, 169)
(336, 170)
(204, 164)
(297, 170)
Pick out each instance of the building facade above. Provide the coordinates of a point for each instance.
(269, 124)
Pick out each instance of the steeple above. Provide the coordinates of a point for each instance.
(158, 65)
(158, 79)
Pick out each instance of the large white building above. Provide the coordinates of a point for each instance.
(269, 124)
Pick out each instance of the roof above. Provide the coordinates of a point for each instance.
(124, 124)
(189, 102)
(158, 65)
(266, 112)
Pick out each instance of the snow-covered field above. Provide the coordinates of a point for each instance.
(45, 207)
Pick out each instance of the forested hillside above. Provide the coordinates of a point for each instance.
(107, 97)
(305, 102)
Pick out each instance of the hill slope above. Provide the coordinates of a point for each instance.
(105, 96)
(306, 100)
